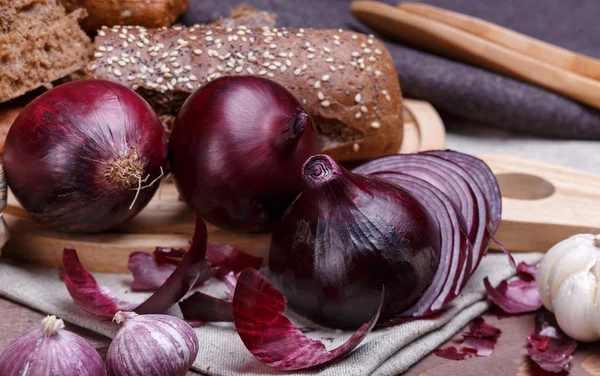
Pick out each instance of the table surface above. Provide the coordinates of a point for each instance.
(509, 357)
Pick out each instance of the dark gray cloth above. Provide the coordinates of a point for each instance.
(460, 89)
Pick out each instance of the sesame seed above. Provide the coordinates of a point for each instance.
(220, 68)
(317, 84)
(300, 35)
(378, 51)
(193, 37)
(98, 54)
(357, 115)
(209, 32)
(252, 58)
(252, 39)
(272, 67)
(197, 52)
(326, 49)
(304, 66)
(240, 55)
(249, 70)
(262, 72)
(329, 60)
(337, 42)
(193, 78)
(209, 39)
(356, 147)
(110, 48)
(130, 78)
(358, 98)
(375, 125)
(310, 56)
(370, 41)
(189, 86)
(109, 61)
(188, 68)
(117, 72)
(270, 75)
(239, 68)
(311, 49)
(325, 77)
(277, 63)
(297, 71)
(288, 62)
(332, 68)
(122, 63)
(304, 101)
(325, 103)
(377, 73)
(93, 67)
(372, 58)
(122, 36)
(283, 68)
(364, 109)
(355, 54)
(102, 48)
(335, 36)
(320, 96)
(174, 53)
(125, 44)
(101, 33)
(175, 64)
(354, 36)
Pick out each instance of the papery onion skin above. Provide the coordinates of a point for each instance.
(51, 351)
(151, 345)
(344, 237)
(236, 148)
(77, 155)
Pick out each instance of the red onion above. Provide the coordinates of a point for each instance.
(151, 345)
(236, 148)
(51, 351)
(85, 156)
(344, 237)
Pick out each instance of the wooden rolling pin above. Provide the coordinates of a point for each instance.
(425, 31)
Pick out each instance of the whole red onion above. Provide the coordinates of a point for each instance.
(343, 238)
(85, 156)
(236, 148)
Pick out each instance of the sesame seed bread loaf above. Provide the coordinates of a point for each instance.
(39, 43)
(346, 80)
(155, 13)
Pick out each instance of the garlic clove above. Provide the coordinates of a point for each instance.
(575, 308)
(569, 256)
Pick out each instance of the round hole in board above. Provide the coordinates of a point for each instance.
(524, 186)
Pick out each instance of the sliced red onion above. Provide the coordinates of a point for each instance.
(451, 353)
(51, 351)
(205, 308)
(230, 280)
(516, 296)
(99, 300)
(271, 337)
(230, 259)
(455, 182)
(151, 345)
(483, 175)
(550, 348)
(453, 241)
(478, 328)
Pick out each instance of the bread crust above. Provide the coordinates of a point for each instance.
(346, 80)
(155, 13)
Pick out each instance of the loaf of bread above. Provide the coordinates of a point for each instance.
(248, 16)
(39, 43)
(155, 13)
(346, 80)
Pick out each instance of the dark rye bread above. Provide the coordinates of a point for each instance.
(346, 80)
(39, 43)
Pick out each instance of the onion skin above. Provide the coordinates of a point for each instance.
(75, 156)
(151, 345)
(344, 237)
(51, 352)
(236, 148)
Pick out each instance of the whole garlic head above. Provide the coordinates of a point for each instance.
(567, 279)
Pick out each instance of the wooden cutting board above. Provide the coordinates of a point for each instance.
(166, 221)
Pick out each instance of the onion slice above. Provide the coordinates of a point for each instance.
(99, 300)
(483, 175)
(456, 183)
(450, 352)
(271, 337)
(453, 241)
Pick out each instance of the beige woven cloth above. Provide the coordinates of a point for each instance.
(384, 352)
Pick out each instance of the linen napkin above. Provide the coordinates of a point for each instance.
(384, 352)
(457, 88)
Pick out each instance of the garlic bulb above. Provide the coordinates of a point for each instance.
(567, 279)
(151, 345)
(51, 351)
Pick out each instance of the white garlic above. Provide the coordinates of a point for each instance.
(567, 280)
